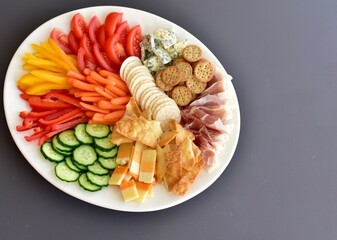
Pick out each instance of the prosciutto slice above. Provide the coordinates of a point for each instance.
(209, 118)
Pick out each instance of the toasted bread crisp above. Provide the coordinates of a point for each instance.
(171, 76)
(204, 71)
(181, 95)
(140, 129)
(192, 53)
(195, 85)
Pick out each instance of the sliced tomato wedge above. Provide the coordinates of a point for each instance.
(102, 59)
(73, 42)
(100, 36)
(80, 59)
(133, 40)
(93, 26)
(78, 25)
(86, 44)
(115, 50)
(111, 22)
(122, 31)
(61, 39)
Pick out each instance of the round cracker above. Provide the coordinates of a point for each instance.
(167, 113)
(203, 70)
(146, 93)
(139, 89)
(195, 85)
(181, 95)
(129, 63)
(192, 53)
(149, 101)
(134, 71)
(186, 70)
(160, 83)
(171, 75)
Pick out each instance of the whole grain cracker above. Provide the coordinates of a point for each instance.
(181, 95)
(203, 70)
(171, 75)
(160, 83)
(192, 53)
(195, 85)
(186, 70)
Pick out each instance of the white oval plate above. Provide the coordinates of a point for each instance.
(109, 197)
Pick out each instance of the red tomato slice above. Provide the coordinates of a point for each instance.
(73, 43)
(122, 31)
(133, 40)
(111, 23)
(115, 50)
(80, 59)
(62, 40)
(100, 36)
(93, 26)
(78, 25)
(86, 44)
(102, 59)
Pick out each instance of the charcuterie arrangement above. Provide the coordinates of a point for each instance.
(112, 106)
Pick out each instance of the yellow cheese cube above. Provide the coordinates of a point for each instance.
(124, 152)
(143, 190)
(129, 190)
(118, 175)
(135, 159)
(147, 166)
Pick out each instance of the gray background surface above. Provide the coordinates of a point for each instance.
(281, 183)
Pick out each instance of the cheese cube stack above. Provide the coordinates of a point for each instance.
(124, 153)
(129, 190)
(147, 166)
(118, 175)
(143, 190)
(136, 155)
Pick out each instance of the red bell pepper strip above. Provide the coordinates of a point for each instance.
(37, 135)
(63, 117)
(57, 114)
(38, 103)
(63, 97)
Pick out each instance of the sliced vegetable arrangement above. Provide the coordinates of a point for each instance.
(97, 44)
(85, 154)
(110, 106)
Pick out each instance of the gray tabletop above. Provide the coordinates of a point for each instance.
(281, 182)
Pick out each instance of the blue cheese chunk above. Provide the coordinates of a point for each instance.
(179, 46)
(163, 55)
(153, 63)
(172, 52)
(166, 37)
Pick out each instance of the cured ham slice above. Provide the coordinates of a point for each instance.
(209, 118)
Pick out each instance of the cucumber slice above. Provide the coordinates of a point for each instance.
(59, 147)
(68, 139)
(49, 153)
(99, 180)
(85, 155)
(108, 163)
(80, 166)
(71, 165)
(104, 144)
(84, 183)
(64, 173)
(82, 135)
(97, 169)
(107, 154)
(97, 130)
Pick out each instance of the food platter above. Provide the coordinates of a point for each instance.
(110, 197)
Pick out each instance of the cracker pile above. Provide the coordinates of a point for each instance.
(143, 88)
(187, 77)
